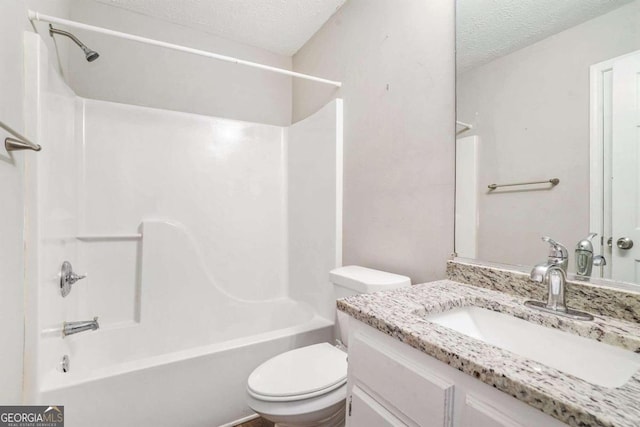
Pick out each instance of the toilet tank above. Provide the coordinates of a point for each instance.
(354, 280)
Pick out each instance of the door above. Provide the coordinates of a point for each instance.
(625, 187)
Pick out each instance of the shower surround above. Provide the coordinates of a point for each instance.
(206, 243)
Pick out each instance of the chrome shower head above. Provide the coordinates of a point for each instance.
(91, 55)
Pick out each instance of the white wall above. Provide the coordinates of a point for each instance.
(314, 208)
(531, 111)
(138, 74)
(13, 22)
(223, 180)
(396, 60)
(51, 200)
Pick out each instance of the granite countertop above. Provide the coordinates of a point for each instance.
(400, 314)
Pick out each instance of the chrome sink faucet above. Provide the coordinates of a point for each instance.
(585, 259)
(553, 273)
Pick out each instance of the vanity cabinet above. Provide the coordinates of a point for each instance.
(392, 384)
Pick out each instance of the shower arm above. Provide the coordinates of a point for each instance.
(53, 31)
(91, 55)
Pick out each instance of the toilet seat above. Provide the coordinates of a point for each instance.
(299, 374)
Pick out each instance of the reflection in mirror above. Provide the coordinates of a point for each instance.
(548, 96)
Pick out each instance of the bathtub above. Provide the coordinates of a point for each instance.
(199, 386)
(177, 363)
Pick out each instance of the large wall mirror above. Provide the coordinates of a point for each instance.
(548, 93)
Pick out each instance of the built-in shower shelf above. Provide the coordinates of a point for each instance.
(137, 236)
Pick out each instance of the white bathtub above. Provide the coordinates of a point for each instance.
(201, 386)
(180, 363)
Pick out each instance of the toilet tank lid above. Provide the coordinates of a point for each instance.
(366, 280)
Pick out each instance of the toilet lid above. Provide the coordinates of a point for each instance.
(299, 374)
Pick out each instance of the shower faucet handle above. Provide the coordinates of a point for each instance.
(68, 277)
(73, 277)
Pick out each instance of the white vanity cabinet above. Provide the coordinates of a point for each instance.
(393, 384)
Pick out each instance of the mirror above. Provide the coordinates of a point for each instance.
(547, 132)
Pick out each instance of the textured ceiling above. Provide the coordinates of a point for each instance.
(280, 26)
(488, 29)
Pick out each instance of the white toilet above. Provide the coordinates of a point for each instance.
(307, 386)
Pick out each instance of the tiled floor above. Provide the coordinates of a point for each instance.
(258, 422)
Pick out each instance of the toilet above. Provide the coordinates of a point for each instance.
(307, 386)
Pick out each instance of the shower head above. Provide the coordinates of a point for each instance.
(91, 55)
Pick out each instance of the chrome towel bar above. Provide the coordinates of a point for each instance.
(133, 236)
(21, 143)
(552, 181)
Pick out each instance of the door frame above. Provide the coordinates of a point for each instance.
(597, 84)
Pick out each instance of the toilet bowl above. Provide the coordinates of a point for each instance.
(307, 386)
(302, 387)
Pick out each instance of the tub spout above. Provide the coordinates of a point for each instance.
(70, 328)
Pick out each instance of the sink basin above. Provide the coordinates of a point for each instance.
(598, 363)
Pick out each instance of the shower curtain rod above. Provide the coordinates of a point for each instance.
(37, 16)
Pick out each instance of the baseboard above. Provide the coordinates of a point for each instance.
(241, 420)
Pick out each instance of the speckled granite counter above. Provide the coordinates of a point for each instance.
(400, 313)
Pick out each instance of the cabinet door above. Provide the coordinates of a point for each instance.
(363, 411)
(407, 389)
(479, 413)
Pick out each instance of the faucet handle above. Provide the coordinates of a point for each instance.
(68, 278)
(73, 277)
(557, 250)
